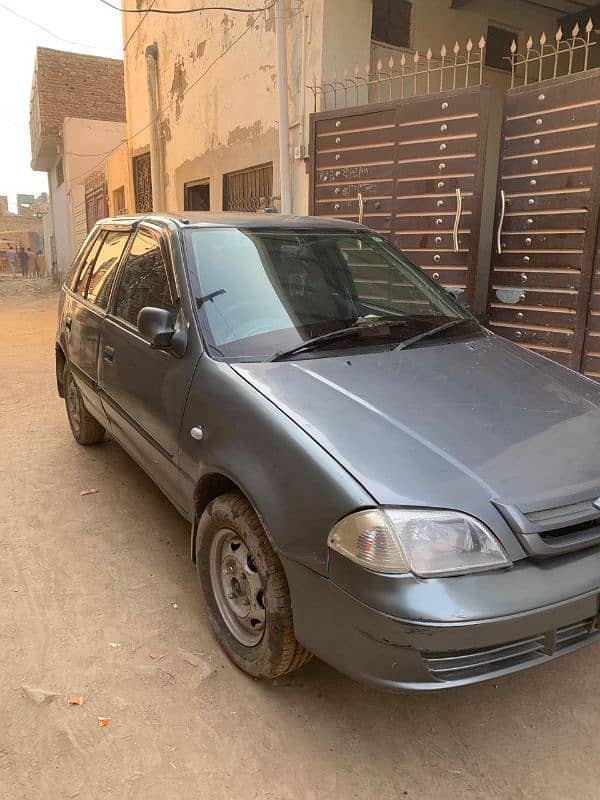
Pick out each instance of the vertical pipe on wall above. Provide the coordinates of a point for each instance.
(284, 116)
(156, 155)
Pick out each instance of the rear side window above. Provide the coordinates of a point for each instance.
(144, 280)
(105, 267)
(81, 277)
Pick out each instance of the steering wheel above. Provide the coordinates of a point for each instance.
(251, 318)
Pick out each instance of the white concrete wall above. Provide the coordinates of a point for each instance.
(59, 209)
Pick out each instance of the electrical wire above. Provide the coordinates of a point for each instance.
(191, 10)
(51, 33)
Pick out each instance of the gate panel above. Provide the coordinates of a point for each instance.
(352, 157)
(440, 168)
(411, 169)
(547, 212)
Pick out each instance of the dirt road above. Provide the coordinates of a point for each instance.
(98, 598)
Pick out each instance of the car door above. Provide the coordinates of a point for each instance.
(144, 389)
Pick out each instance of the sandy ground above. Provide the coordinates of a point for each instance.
(93, 586)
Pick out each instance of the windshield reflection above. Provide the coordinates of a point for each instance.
(262, 292)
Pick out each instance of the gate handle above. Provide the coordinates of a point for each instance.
(361, 208)
(457, 219)
(501, 223)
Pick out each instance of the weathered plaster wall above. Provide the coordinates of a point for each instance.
(218, 92)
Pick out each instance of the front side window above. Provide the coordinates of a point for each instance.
(105, 267)
(144, 281)
(260, 292)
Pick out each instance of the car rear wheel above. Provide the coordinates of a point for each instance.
(245, 590)
(85, 429)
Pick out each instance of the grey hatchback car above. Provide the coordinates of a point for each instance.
(369, 474)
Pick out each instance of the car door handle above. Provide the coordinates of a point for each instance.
(109, 354)
(68, 323)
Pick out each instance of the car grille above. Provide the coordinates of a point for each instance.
(486, 661)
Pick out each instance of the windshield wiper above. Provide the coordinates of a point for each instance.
(431, 332)
(324, 338)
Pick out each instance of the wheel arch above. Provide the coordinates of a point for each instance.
(210, 486)
(61, 361)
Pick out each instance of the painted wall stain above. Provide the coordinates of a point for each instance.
(270, 20)
(198, 51)
(244, 132)
(227, 26)
(165, 130)
(178, 86)
(266, 67)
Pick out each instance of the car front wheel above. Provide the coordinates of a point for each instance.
(245, 589)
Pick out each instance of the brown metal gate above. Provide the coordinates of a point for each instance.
(410, 169)
(544, 266)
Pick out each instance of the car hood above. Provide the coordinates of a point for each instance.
(451, 424)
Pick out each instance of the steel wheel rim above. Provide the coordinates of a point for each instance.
(237, 587)
(73, 404)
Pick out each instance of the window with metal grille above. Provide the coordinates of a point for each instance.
(95, 205)
(248, 189)
(142, 183)
(497, 47)
(391, 22)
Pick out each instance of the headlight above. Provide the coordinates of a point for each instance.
(426, 543)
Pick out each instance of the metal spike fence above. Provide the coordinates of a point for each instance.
(566, 56)
(414, 74)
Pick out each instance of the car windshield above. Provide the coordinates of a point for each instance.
(263, 293)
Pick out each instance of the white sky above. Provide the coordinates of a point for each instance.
(86, 22)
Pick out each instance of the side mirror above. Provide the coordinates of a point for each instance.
(156, 325)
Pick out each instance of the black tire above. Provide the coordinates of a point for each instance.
(277, 652)
(85, 429)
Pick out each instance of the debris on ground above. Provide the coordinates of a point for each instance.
(114, 644)
(76, 700)
(83, 492)
(157, 656)
(164, 677)
(104, 721)
(174, 604)
(39, 696)
(205, 669)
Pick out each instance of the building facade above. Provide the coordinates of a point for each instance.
(205, 86)
(77, 116)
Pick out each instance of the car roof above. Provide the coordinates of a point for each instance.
(201, 219)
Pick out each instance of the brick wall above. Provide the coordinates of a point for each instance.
(76, 85)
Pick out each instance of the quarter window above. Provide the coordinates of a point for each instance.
(88, 262)
(144, 281)
(105, 267)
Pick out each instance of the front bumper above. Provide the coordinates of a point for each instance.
(394, 652)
